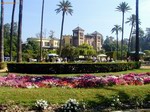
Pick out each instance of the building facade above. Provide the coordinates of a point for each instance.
(47, 43)
(94, 39)
(67, 40)
(78, 38)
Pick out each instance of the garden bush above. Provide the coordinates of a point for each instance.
(147, 58)
(69, 68)
(2, 65)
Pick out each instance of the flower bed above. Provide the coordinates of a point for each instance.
(83, 81)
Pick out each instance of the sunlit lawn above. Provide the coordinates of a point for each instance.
(60, 95)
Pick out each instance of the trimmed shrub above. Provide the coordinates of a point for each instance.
(2, 65)
(147, 58)
(68, 68)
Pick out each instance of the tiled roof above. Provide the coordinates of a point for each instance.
(96, 33)
(89, 35)
(78, 29)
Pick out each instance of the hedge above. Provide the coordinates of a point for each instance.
(2, 65)
(69, 68)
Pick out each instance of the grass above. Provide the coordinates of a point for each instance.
(60, 95)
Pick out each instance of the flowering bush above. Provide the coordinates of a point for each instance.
(83, 81)
(71, 105)
(116, 102)
(41, 104)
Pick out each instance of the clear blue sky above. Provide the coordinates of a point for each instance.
(91, 15)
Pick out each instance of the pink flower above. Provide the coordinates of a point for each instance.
(83, 81)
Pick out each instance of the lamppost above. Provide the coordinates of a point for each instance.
(137, 32)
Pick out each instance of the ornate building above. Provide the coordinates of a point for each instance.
(94, 39)
(78, 36)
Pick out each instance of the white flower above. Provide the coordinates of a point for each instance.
(29, 86)
(71, 104)
(41, 104)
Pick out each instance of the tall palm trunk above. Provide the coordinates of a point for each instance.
(129, 44)
(19, 48)
(122, 35)
(12, 28)
(61, 35)
(133, 39)
(41, 33)
(137, 31)
(117, 44)
(2, 33)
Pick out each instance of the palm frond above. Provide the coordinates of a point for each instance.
(116, 28)
(132, 19)
(123, 7)
(64, 6)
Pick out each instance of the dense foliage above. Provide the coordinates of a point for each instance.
(68, 68)
(7, 41)
(30, 50)
(72, 52)
(2, 65)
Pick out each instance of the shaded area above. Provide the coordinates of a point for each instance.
(119, 100)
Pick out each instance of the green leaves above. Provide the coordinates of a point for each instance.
(31, 50)
(123, 7)
(64, 6)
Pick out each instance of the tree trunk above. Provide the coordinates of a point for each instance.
(2, 33)
(41, 32)
(19, 49)
(137, 31)
(12, 28)
(61, 34)
(117, 44)
(129, 44)
(122, 35)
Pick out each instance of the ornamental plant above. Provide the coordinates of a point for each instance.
(116, 103)
(41, 104)
(71, 105)
(83, 81)
(137, 102)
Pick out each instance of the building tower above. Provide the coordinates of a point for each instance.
(78, 36)
(97, 40)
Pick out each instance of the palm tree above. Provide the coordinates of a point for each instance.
(137, 31)
(12, 28)
(2, 33)
(116, 29)
(131, 20)
(41, 33)
(65, 7)
(19, 43)
(133, 39)
(123, 7)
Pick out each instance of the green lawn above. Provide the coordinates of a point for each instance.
(60, 95)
